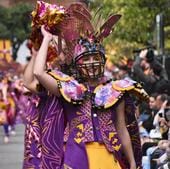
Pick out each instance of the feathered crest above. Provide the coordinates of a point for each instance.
(103, 27)
(69, 25)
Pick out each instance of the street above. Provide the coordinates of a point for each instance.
(11, 154)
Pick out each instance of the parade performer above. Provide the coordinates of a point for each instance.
(95, 110)
(3, 118)
(32, 148)
(9, 108)
(42, 111)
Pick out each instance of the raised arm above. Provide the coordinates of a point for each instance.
(124, 135)
(40, 63)
(29, 80)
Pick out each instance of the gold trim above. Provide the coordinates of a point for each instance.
(122, 89)
(110, 104)
(65, 97)
(98, 88)
(57, 77)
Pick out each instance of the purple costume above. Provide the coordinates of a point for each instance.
(41, 137)
(88, 122)
(91, 114)
(32, 152)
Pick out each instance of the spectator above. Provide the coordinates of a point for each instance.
(148, 70)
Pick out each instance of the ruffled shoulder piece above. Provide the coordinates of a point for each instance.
(70, 89)
(124, 84)
(131, 86)
(59, 75)
(108, 94)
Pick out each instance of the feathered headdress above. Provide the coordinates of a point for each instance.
(73, 25)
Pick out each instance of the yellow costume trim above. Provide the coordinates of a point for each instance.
(140, 93)
(111, 135)
(134, 89)
(79, 135)
(110, 104)
(78, 113)
(115, 141)
(117, 147)
(122, 89)
(65, 96)
(64, 79)
(98, 88)
(80, 126)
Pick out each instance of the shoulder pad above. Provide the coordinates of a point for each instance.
(132, 87)
(124, 84)
(59, 75)
(106, 96)
(70, 89)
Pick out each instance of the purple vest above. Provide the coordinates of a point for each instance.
(87, 124)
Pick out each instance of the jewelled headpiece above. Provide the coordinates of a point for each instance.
(74, 26)
(87, 47)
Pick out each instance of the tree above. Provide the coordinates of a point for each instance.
(15, 24)
(137, 25)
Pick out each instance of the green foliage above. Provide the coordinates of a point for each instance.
(137, 24)
(15, 24)
(135, 28)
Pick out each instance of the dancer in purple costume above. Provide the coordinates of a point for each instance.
(100, 120)
(32, 153)
(41, 116)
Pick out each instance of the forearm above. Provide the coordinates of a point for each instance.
(126, 145)
(4, 92)
(48, 82)
(124, 134)
(29, 79)
(40, 60)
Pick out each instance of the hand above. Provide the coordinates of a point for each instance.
(157, 160)
(143, 53)
(47, 35)
(133, 166)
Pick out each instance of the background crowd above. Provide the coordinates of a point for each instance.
(153, 117)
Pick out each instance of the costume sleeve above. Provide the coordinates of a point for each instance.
(108, 94)
(70, 89)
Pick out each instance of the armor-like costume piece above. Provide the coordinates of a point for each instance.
(104, 95)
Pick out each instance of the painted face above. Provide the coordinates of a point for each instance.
(90, 66)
